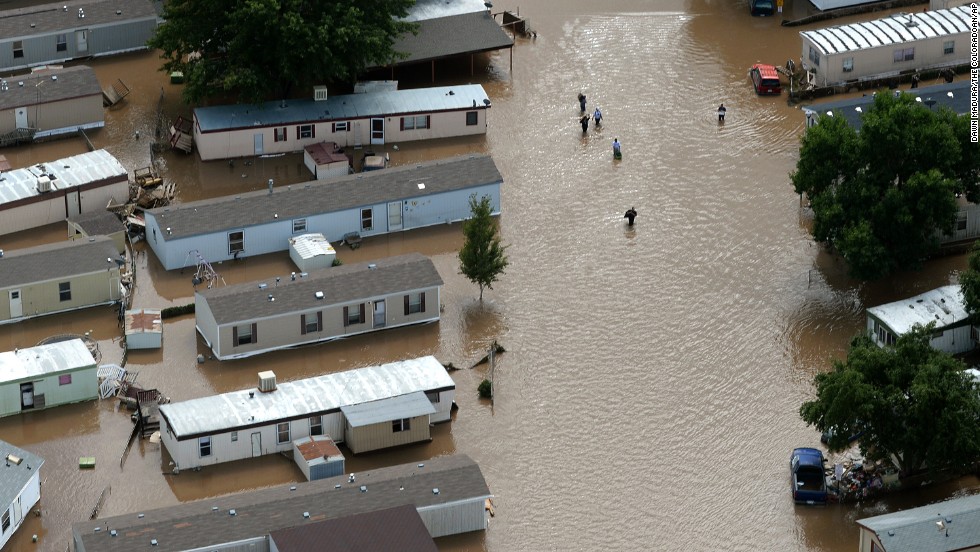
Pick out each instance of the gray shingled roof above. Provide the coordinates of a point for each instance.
(56, 260)
(339, 284)
(312, 198)
(959, 102)
(398, 528)
(51, 18)
(432, 9)
(453, 35)
(40, 88)
(197, 524)
(98, 222)
(15, 476)
(915, 530)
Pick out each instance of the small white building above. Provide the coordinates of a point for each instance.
(325, 160)
(953, 525)
(266, 420)
(942, 306)
(318, 457)
(47, 375)
(20, 488)
(51, 102)
(311, 252)
(144, 329)
(887, 47)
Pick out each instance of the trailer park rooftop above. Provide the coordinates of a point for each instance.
(85, 168)
(896, 29)
(44, 359)
(944, 306)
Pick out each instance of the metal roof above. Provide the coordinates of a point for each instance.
(48, 85)
(324, 153)
(451, 36)
(195, 525)
(46, 19)
(61, 260)
(386, 410)
(98, 223)
(944, 306)
(896, 29)
(16, 476)
(339, 284)
(954, 96)
(85, 168)
(309, 246)
(918, 529)
(325, 196)
(833, 4)
(317, 448)
(400, 528)
(383, 103)
(44, 360)
(432, 9)
(305, 397)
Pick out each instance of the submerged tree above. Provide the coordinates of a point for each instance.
(912, 404)
(482, 257)
(970, 282)
(260, 49)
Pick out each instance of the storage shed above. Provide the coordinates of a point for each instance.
(943, 306)
(50, 102)
(47, 375)
(325, 160)
(98, 223)
(311, 252)
(388, 422)
(887, 47)
(318, 457)
(20, 487)
(144, 329)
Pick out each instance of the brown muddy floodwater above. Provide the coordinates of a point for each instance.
(648, 397)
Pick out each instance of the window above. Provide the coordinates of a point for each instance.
(907, 54)
(354, 315)
(305, 131)
(245, 334)
(280, 134)
(234, 436)
(960, 222)
(433, 396)
(236, 242)
(204, 446)
(64, 379)
(62, 43)
(316, 425)
(299, 225)
(414, 302)
(884, 336)
(18, 48)
(311, 323)
(400, 425)
(5, 520)
(341, 127)
(814, 56)
(64, 291)
(974, 334)
(412, 123)
(367, 219)
(282, 432)
(949, 47)
(848, 64)
(471, 118)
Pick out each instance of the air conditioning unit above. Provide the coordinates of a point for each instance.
(43, 184)
(267, 381)
(319, 93)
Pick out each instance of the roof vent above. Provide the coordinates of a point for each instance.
(372, 266)
(232, 512)
(267, 384)
(337, 486)
(140, 516)
(263, 286)
(363, 488)
(891, 532)
(306, 515)
(97, 529)
(319, 93)
(214, 508)
(318, 295)
(113, 532)
(421, 465)
(271, 298)
(118, 12)
(153, 542)
(435, 491)
(15, 460)
(54, 77)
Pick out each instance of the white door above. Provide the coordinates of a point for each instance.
(16, 307)
(394, 216)
(18, 512)
(20, 117)
(73, 203)
(26, 396)
(81, 40)
(257, 139)
(256, 444)
(377, 131)
(379, 314)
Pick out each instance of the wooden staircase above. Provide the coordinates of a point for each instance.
(181, 135)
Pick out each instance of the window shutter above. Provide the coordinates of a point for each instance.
(406, 305)
(346, 316)
(427, 122)
(319, 321)
(234, 336)
(423, 301)
(333, 127)
(302, 324)
(402, 124)
(312, 131)
(362, 313)
(297, 132)
(255, 332)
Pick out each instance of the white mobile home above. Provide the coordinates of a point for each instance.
(887, 47)
(369, 204)
(20, 488)
(47, 375)
(248, 319)
(381, 117)
(58, 277)
(57, 32)
(255, 422)
(50, 102)
(51, 192)
(943, 306)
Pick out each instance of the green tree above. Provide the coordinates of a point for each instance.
(970, 282)
(881, 196)
(255, 50)
(914, 405)
(482, 257)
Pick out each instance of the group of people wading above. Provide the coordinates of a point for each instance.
(617, 147)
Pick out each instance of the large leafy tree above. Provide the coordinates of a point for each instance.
(260, 49)
(881, 196)
(970, 282)
(913, 404)
(482, 257)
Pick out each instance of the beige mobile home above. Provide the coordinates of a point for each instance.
(48, 102)
(47, 375)
(887, 47)
(58, 277)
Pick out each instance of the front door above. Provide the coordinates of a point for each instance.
(18, 512)
(20, 117)
(16, 307)
(81, 40)
(259, 149)
(26, 396)
(377, 131)
(394, 216)
(256, 444)
(73, 203)
(379, 314)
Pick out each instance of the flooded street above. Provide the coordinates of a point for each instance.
(649, 395)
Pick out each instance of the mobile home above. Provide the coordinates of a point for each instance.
(950, 525)
(21, 488)
(51, 102)
(944, 306)
(47, 375)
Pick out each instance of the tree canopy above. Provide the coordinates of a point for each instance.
(881, 196)
(970, 282)
(482, 257)
(911, 401)
(257, 50)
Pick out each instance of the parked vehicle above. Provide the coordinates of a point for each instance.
(762, 7)
(765, 80)
(806, 469)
